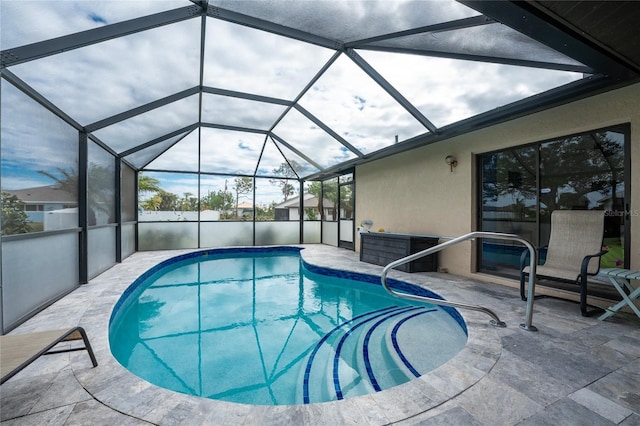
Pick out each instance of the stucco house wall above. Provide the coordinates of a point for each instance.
(415, 191)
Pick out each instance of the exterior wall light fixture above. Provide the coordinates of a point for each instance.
(451, 161)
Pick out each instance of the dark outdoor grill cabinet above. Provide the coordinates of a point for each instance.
(382, 248)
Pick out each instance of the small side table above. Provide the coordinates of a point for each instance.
(620, 279)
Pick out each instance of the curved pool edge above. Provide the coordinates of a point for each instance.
(117, 388)
(134, 286)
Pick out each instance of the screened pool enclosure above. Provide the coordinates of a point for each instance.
(145, 125)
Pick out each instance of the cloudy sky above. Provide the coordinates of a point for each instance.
(98, 81)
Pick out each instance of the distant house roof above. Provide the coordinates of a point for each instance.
(43, 194)
(245, 205)
(310, 200)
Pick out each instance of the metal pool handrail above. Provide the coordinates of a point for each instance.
(533, 256)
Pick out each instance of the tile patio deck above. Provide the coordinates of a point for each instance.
(573, 371)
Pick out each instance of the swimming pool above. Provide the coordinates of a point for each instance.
(259, 326)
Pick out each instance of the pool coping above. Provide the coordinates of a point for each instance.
(117, 388)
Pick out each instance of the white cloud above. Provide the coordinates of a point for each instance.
(257, 62)
(448, 90)
(33, 139)
(98, 81)
(25, 22)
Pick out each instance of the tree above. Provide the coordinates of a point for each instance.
(148, 183)
(168, 201)
(346, 201)
(315, 188)
(189, 203)
(242, 185)
(328, 191)
(287, 171)
(220, 200)
(67, 181)
(266, 212)
(576, 166)
(153, 203)
(570, 169)
(14, 219)
(100, 193)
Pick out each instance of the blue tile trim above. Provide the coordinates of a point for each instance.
(336, 358)
(367, 337)
(307, 371)
(394, 339)
(398, 285)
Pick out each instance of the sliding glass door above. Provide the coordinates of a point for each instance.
(521, 186)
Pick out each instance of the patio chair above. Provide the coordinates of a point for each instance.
(19, 350)
(573, 252)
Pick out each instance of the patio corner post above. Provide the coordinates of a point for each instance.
(83, 207)
(533, 261)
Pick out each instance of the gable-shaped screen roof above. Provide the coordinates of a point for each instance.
(241, 87)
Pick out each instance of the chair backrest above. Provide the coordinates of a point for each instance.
(574, 235)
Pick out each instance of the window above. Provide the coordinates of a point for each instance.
(522, 186)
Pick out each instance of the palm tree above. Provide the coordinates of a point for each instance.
(148, 183)
(287, 171)
(242, 185)
(101, 189)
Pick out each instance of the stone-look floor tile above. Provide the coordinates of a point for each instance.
(346, 412)
(253, 416)
(602, 333)
(572, 366)
(94, 413)
(18, 396)
(54, 417)
(494, 403)
(136, 402)
(566, 412)
(459, 373)
(431, 390)
(400, 405)
(441, 385)
(224, 413)
(158, 411)
(562, 322)
(430, 416)
(102, 378)
(50, 364)
(632, 420)
(285, 416)
(65, 390)
(443, 416)
(601, 405)
(621, 386)
(525, 377)
(627, 344)
(608, 356)
(567, 353)
(124, 393)
(188, 412)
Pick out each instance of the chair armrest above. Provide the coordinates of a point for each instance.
(587, 259)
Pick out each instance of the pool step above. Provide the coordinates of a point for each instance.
(379, 359)
(360, 356)
(317, 382)
(403, 343)
(409, 342)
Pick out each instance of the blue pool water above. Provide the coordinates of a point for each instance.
(259, 326)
